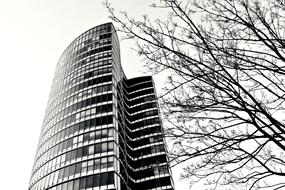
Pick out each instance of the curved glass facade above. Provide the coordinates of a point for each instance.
(100, 130)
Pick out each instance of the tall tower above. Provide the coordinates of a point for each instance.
(100, 130)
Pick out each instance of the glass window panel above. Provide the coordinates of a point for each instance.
(82, 185)
(89, 92)
(109, 87)
(66, 172)
(110, 178)
(86, 137)
(99, 109)
(79, 153)
(75, 140)
(64, 186)
(105, 87)
(97, 180)
(88, 112)
(90, 165)
(80, 138)
(72, 170)
(110, 162)
(84, 167)
(91, 150)
(73, 155)
(55, 179)
(156, 171)
(89, 182)
(77, 116)
(84, 151)
(61, 172)
(83, 113)
(76, 184)
(58, 187)
(110, 132)
(103, 163)
(98, 148)
(97, 164)
(70, 185)
(99, 89)
(92, 136)
(104, 147)
(78, 168)
(110, 146)
(103, 180)
(93, 111)
(68, 156)
(104, 133)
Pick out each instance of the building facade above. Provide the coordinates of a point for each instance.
(100, 130)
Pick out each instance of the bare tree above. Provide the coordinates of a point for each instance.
(224, 100)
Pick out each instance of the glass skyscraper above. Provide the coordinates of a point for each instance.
(100, 130)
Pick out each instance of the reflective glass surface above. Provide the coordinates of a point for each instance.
(100, 130)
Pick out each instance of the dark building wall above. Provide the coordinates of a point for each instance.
(100, 129)
(146, 147)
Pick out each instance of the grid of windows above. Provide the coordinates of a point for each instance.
(103, 179)
(78, 129)
(68, 120)
(100, 130)
(146, 150)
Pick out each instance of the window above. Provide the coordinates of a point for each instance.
(86, 137)
(98, 135)
(76, 184)
(98, 148)
(104, 147)
(110, 146)
(80, 138)
(72, 170)
(103, 180)
(60, 175)
(110, 179)
(88, 112)
(110, 162)
(97, 180)
(73, 155)
(70, 185)
(160, 170)
(64, 186)
(55, 179)
(104, 133)
(79, 153)
(155, 139)
(89, 182)
(97, 164)
(110, 132)
(58, 187)
(92, 136)
(82, 183)
(77, 168)
(77, 116)
(91, 150)
(104, 163)
(85, 151)
(90, 165)
(75, 140)
(82, 115)
(93, 111)
(84, 167)
(66, 172)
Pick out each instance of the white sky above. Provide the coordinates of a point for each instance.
(33, 34)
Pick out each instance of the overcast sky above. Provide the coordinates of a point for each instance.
(33, 35)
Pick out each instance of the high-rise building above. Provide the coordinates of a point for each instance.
(100, 130)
